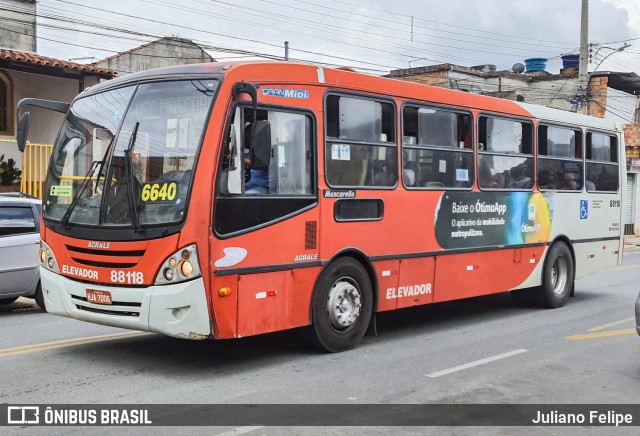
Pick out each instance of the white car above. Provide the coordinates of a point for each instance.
(19, 248)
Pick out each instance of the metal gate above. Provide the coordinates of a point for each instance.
(35, 162)
(628, 207)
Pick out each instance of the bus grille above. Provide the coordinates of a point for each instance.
(105, 258)
(118, 308)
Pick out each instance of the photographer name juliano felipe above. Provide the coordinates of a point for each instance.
(594, 417)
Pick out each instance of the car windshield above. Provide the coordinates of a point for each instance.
(128, 151)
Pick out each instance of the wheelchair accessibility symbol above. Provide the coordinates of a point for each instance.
(584, 209)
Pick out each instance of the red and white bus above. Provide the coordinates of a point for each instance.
(228, 200)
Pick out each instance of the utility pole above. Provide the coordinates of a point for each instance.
(583, 70)
(286, 50)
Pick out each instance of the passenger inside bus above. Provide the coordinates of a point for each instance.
(409, 170)
(488, 180)
(520, 177)
(546, 179)
(117, 196)
(257, 180)
(572, 179)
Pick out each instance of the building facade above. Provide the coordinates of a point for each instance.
(18, 25)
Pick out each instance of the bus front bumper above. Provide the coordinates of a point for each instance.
(178, 310)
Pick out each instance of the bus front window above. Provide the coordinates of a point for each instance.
(143, 140)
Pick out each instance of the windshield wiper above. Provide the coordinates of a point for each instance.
(131, 196)
(76, 198)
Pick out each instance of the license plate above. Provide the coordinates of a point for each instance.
(98, 297)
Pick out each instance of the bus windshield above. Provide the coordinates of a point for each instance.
(127, 155)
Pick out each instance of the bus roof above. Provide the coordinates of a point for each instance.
(346, 79)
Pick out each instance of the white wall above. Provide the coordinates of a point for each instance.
(552, 92)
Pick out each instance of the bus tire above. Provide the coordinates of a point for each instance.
(39, 298)
(557, 277)
(342, 306)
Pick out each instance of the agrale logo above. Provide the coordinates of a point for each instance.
(102, 245)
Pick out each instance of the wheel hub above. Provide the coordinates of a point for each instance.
(343, 304)
(559, 274)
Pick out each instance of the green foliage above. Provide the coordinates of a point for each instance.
(8, 171)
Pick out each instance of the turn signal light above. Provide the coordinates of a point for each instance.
(223, 292)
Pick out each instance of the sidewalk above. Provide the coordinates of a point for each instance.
(631, 241)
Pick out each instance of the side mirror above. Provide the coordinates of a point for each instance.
(261, 145)
(23, 131)
(23, 121)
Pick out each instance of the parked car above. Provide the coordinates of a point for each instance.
(19, 248)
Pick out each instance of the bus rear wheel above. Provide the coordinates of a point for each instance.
(557, 277)
(342, 306)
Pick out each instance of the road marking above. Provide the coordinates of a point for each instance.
(601, 334)
(25, 349)
(606, 326)
(476, 363)
(241, 430)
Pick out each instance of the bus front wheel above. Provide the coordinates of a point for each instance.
(39, 297)
(342, 306)
(557, 277)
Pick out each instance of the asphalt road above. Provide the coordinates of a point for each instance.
(482, 350)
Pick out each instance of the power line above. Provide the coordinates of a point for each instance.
(350, 19)
(519, 37)
(233, 36)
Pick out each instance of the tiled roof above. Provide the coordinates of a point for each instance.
(31, 58)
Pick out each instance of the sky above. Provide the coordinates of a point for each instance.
(372, 36)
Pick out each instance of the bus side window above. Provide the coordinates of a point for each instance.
(361, 142)
(505, 154)
(602, 162)
(560, 165)
(437, 150)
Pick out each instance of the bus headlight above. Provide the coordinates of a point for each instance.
(47, 258)
(185, 268)
(180, 266)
